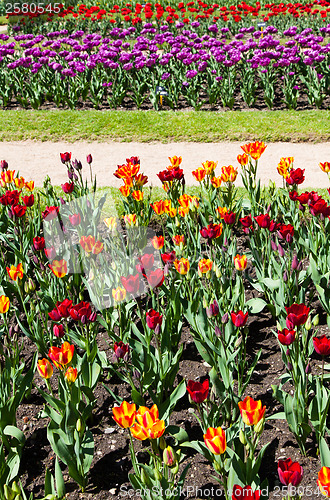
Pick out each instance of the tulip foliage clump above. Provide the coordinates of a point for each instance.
(204, 262)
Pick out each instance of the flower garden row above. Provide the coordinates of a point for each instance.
(63, 279)
(184, 67)
(102, 18)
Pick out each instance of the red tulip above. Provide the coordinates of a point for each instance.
(75, 219)
(131, 283)
(50, 253)
(246, 221)
(239, 493)
(263, 220)
(169, 257)
(198, 391)
(153, 319)
(322, 345)
(165, 176)
(64, 307)
(297, 315)
(81, 311)
(211, 231)
(285, 232)
(121, 351)
(296, 176)
(68, 187)
(58, 331)
(18, 210)
(54, 315)
(50, 213)
(289, 472)
(286, 337)
(65, 157)
(147, 261)
(239, 318)
(229, 218)
(155, 278)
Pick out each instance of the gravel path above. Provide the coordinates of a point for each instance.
(35, 160)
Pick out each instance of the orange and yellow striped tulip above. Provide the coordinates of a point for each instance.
(323, 481)
(222, 211)
(61, 356)
(240, 262)
(147, 424)
(4, 304)
(251, 411)
(124, 415)
(178, 239)
(137, 195)
(325, 166)
(7, 176)
(45, 368)
(209, 166)
(215, 440)
(125, 191)
(182, 265)
(216, 181)
(71, 374)
(175, 161)
(119, 294)
(254, 149)
(158, 242)
(111, 223)
(229, 174)
(130, 219)
(59, 268)
(243, 159)
(204, 266)
(199, 174)
(158, 207)
(15, 272)
(19, 182)
(29, 185)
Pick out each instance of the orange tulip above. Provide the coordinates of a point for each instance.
(71, 374)
(222, 211)
(254, 149)
(61, 356)
(124, 415)
(323, 481)
(45, 368)
(130, 219)
(59, 268)
(215, 440)
(178, 239)
(240, 262)
(216, 182)
(285, 165)
(19, 182)
(15, 272)
(119, 294)
(209, 166)
(89, 244)
(204, 266)
(325, 166)
(185, 200)
(140, 180)
(243, 159)
(229, 174)
(158, 242)
(29, 185)
(148, 425)
(251, 411)
(7, 176)
(175, 162)
(4, 304)
(158, 207)
(125, 191)
(111, 223)
(183, 211)
(182, 265)
(137, 195)
(129, 170)
(199, 174)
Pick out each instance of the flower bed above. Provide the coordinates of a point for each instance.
(178, 70)
(204, 316)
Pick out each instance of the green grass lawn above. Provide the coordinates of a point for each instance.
(165, 126)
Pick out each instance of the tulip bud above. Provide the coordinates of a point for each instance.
(70, 174)
(216, 466)
(166, 270)
(83, 319)
(308, 368)
(278, 326)
(9, 493)
(204, 302)
(274, 246)
(11, 331)
(169, 457)
(26, 287)
(145, 478)
(295, 263)
(77, 164)
(58, 331)
(217, 331)
(290, 366)
(31, 285)
(308, 324)
(35, 259)
(89, 159)
(259, 427)
(3, 165)
(80, 427)
(316, 320)
(225, 318)
(285, 276)
(217, 271)
(281, 251)
(268, 208)
(177, 222)
(242, 437)
(288, 352)
(238, 342)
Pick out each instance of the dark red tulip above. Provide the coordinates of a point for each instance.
(239, 318)
(293, 195)
(18, 210)
(304, 198)
(169, 257)
(273, 226)
(213, 309)
(211, 231)
(286, 337)
(322, 345)
(289, 472)
(153, 319)
(198, 391)
(297, 315)
(121, 351)
(39, 243)
(177, 173)
(165, 176)
(81, 311)
(50, 213)
(28, 200)
(246, 221)
(54, 315)
(64, 308)
(89, 159)
(229, 218)
(285, 232)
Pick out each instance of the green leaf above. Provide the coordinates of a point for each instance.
(256, 305)
(60, 485)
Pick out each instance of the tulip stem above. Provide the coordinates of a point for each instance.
(322, 371)
(133, 457)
